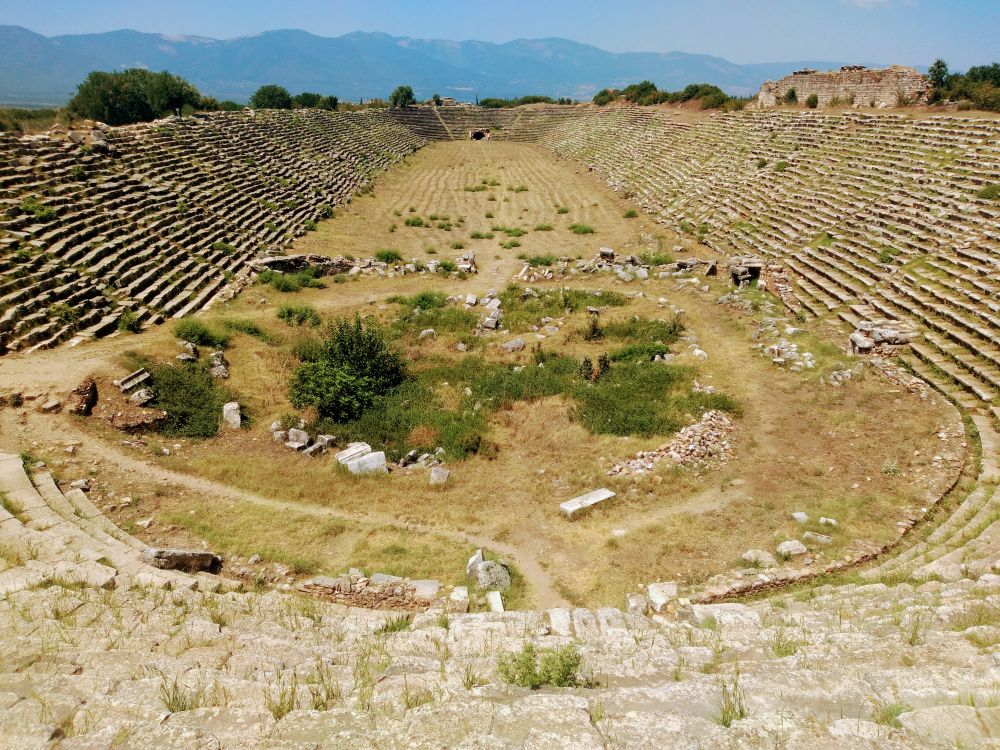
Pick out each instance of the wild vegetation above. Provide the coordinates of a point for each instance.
(646, 93)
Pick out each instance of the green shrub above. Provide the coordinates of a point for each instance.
(223, 247)
(249, 328)
(481, 235)
(310, 225)
(541, 260)
(630, 214)
(532, 669)
(325, 211)
(414, 221)
(475, 188)
(790, 96)
(388, 256)
(812, 101)
(760, 162)
(781, 166)
(543, 227)
(425, 300)
(298, 315)
(581, 229)
(562, 210)
(990, 193)
(30, 205)
(644, 330)
(510, 244)
(64, 313)
(291, 282)
(129, 322)
(656, 258)
(190, 396)
(195, 331)
(353, 366)
(448, 266)
(456, 246)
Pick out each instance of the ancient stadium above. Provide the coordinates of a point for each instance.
(533, 427)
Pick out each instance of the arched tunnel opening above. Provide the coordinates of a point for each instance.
(480, 135)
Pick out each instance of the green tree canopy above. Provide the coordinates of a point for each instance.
(402, 97)
(938, 73)
(271, 96)
(133, 95)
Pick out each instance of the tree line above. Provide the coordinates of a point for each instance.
(646, 93)
(978, 87)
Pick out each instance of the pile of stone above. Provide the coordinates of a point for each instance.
(627, 267)
(704, 442)
(378, 591)
(882, 337)
(490, 302)
(842, 375)
(785, 352)
(901, 377)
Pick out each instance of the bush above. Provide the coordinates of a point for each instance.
(638, 352)
(415, 221)
(812, 101)
(448, 266)
(353, 366)
(532, 669)
(644, 330)
(129, 322)
(581, 229)
(425, 300)
(291, 282)
(133, 95)
(271, 96)
(781, 166)
(198, 333)
(388, 256)
(541, 260)
(402, 97)
(191, 398)
(297, 315)
(790, 96)
(630, 214)
(990, 193)
(249, 328)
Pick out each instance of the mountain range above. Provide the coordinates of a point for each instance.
(36, 69)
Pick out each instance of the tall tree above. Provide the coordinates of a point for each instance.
(402, 97)
(271, 96)
(938, 73)
(133, 95)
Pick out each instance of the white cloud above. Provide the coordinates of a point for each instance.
(865, 4)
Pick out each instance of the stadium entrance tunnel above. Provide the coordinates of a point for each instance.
(480, 135)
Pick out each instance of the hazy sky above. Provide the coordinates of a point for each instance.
(963, 32)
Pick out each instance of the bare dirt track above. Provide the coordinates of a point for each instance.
(799, 445)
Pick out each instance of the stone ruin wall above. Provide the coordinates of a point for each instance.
(888, 87)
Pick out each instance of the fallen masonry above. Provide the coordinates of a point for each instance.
(705, 441)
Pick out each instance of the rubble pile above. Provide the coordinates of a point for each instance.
(379, 591)
(705, 441)
(882, 337)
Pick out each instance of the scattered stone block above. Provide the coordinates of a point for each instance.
(495, 600)
(295, 435)
(515, 345)
(425, 590)
(791, 548)
(231, 415)
(380, 579)
(576, 506)
(800, 517)
(191, 561)
(439, 475)
(370, 463)
(473, 563)
(353, 452)
(760, 558)
(636, 604)
(83, 398)
(812, 536)
(51, 406)
(661, 593)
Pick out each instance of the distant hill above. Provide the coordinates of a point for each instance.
(35, 69)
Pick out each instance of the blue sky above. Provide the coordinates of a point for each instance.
(963, 32)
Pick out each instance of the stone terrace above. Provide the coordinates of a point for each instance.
(101, 650)
(876, 216)
(159, 218)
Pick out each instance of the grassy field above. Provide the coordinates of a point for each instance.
(860, 454)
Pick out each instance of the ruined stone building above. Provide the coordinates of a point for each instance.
(851, 85)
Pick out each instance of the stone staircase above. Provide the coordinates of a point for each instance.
(100, 650)
(163, 217)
